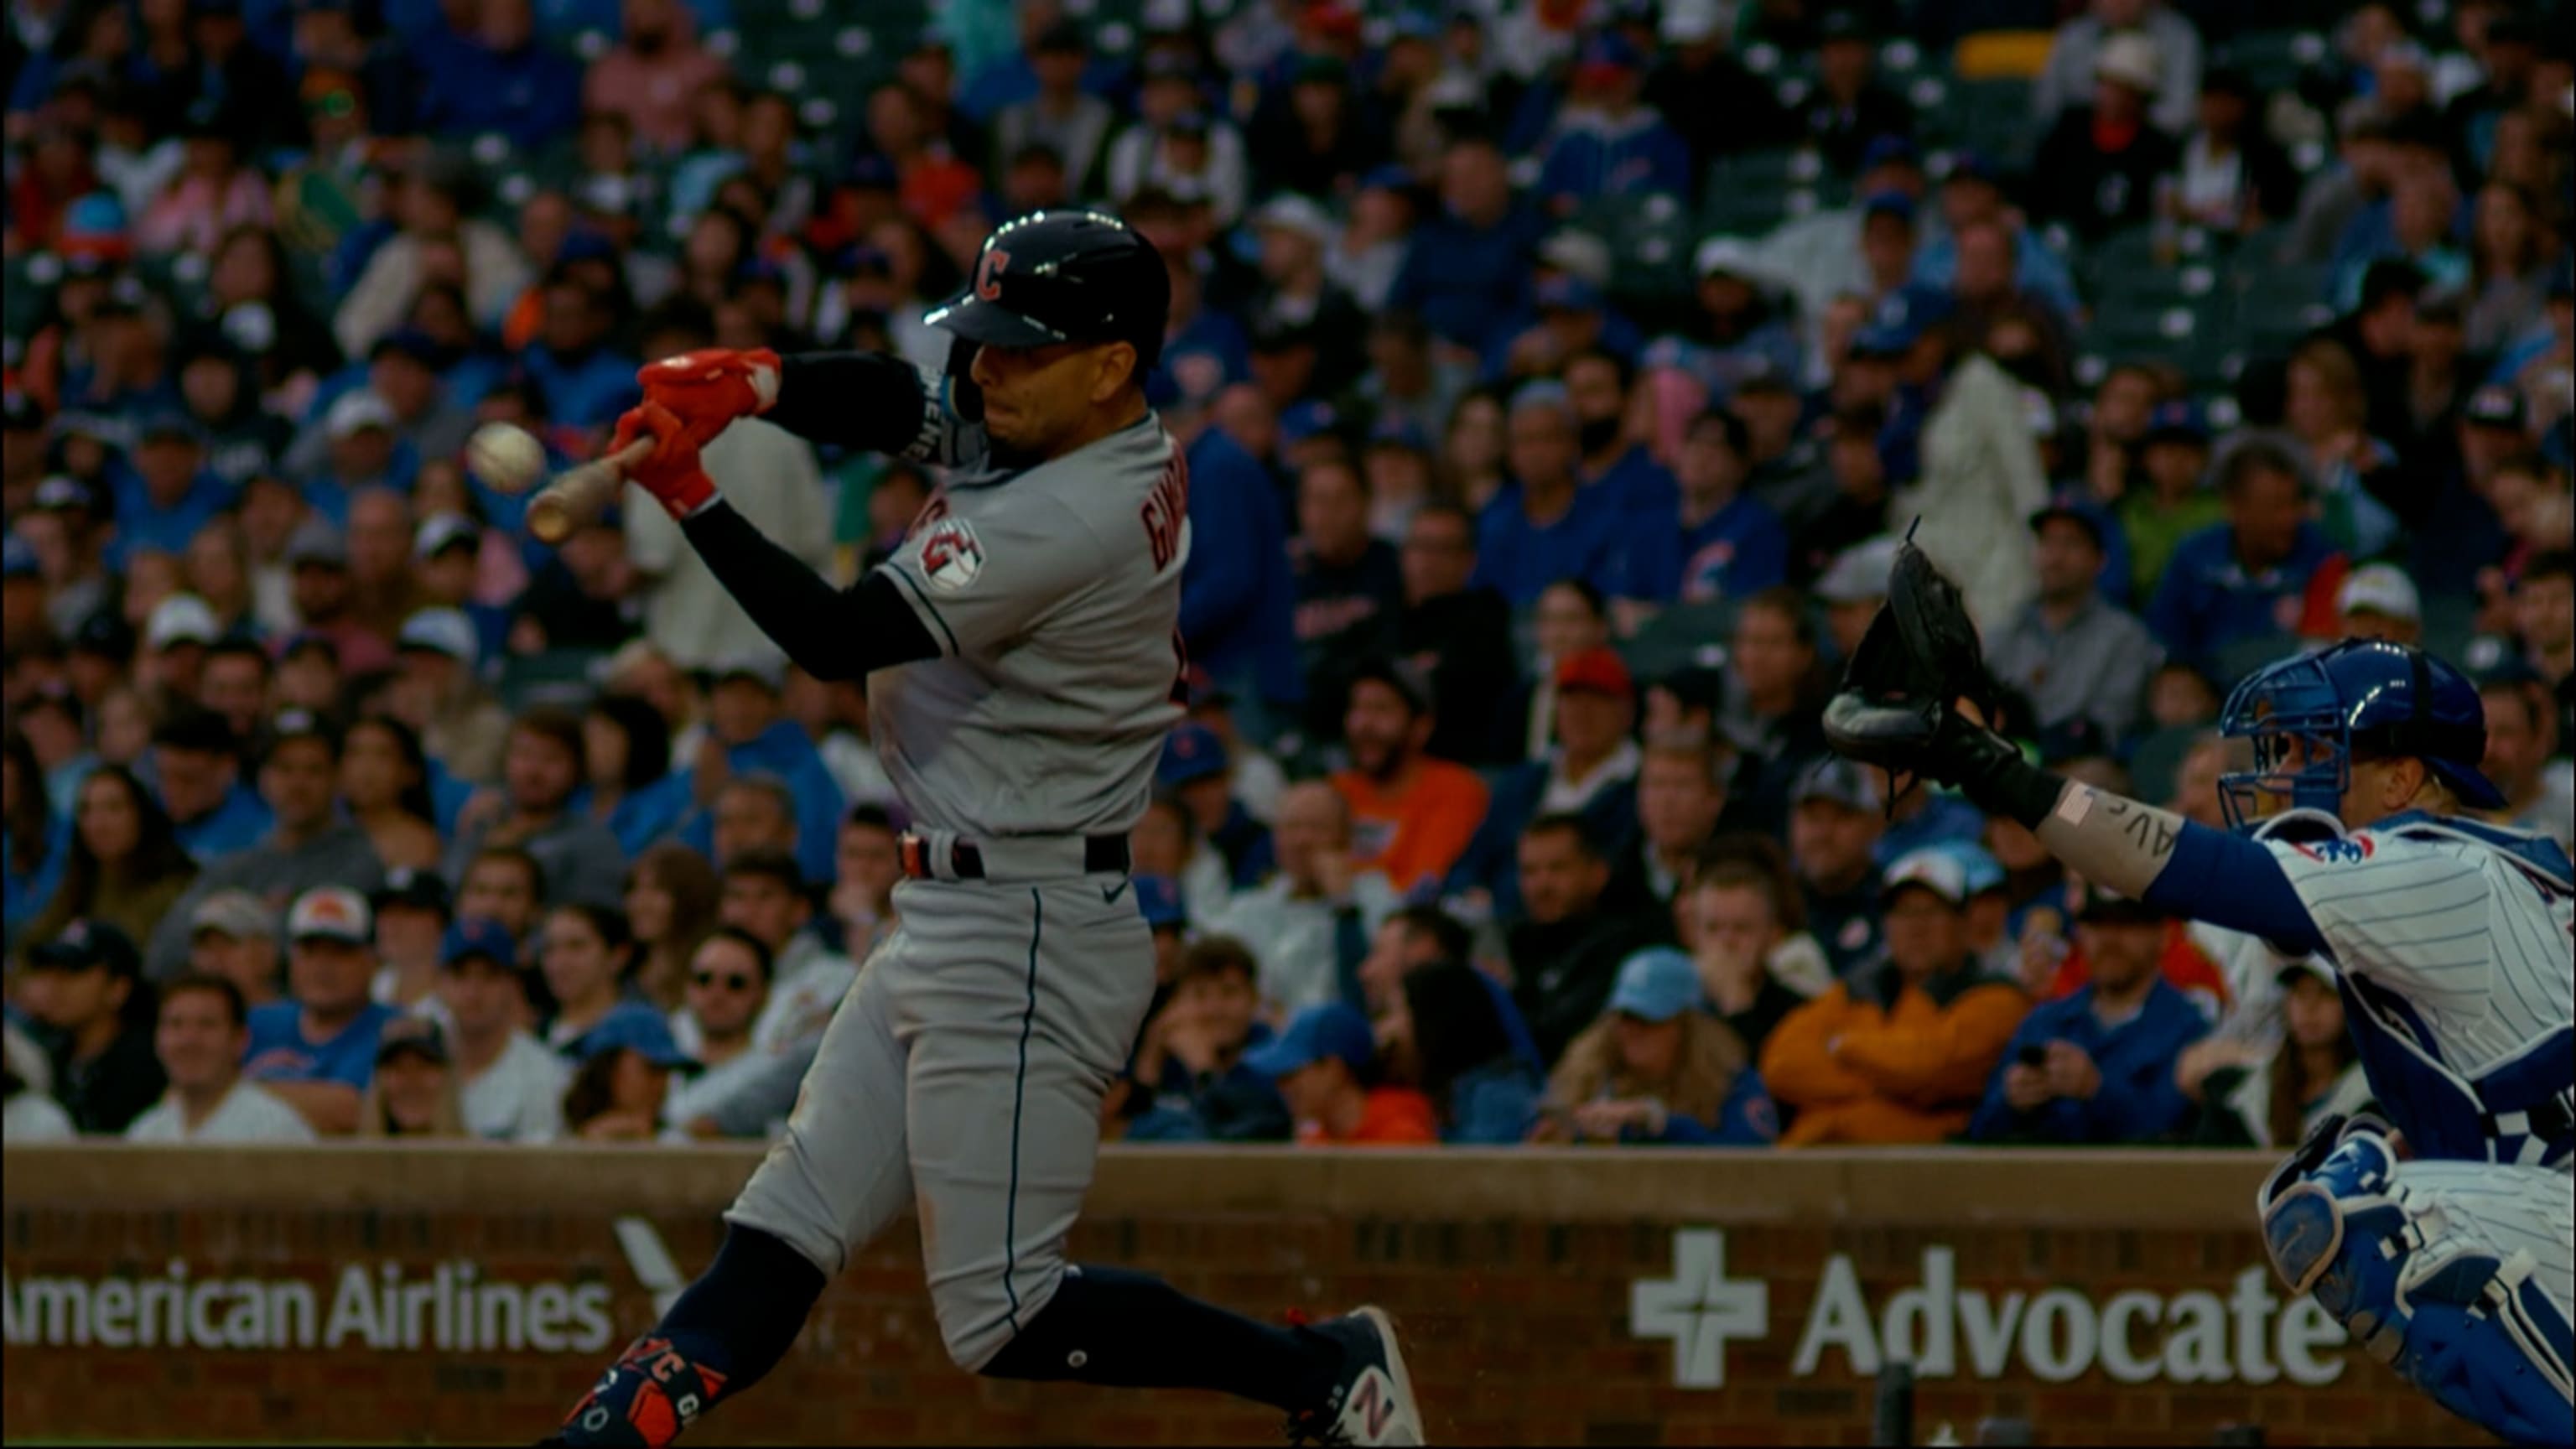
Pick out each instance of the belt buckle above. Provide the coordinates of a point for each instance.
(915, 854)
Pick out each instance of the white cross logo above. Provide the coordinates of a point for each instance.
(1699, 1308)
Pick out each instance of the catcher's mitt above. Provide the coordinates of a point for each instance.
(1921, 653)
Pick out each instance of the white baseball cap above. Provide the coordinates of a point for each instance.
(1932, 868)
(2381, 589)
(2316, 966)
(764, 667)
(181, 619)
(2132, 58)
(440, 530)
(331, 913)
(1688, 22)
(1860, 571)
(1291, 212)
(441, 631)
(1577, 253)
(363, 408)
(1732, 255)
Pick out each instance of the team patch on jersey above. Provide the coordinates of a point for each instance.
(951, 555)
(2349, 851)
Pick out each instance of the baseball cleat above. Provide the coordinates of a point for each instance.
(1372, 1398)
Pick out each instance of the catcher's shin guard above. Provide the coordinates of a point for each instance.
(2423, 1288)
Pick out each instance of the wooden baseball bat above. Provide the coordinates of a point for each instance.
(582, 493)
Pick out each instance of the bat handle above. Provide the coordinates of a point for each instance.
(582, 493)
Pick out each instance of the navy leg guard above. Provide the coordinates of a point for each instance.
(724, 1334)
(2424, 1291)
(1133, 1330)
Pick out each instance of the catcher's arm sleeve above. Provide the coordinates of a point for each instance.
(2185, 867)
(830, 633)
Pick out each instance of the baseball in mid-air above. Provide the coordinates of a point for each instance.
(506, 456)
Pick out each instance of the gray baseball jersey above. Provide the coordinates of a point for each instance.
(963, 1075)
(1054, 595)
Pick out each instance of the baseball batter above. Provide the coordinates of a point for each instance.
(2442, 1235)
(1024, 664)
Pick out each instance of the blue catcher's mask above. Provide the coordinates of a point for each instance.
(2311, 716)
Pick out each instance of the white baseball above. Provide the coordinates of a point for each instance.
(506, 456)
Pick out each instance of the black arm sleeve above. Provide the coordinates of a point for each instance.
(862, 400)
(830, 633)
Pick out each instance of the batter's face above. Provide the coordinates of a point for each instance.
(1040, 402)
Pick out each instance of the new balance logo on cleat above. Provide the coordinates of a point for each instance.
(1372, 1402)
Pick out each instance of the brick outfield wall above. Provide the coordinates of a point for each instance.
(1511, 1274)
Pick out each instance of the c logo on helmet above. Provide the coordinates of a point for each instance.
(988, 274)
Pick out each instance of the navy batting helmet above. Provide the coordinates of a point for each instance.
(1063, 276)
(2362, 698)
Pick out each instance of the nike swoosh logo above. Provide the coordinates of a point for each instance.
(1109, 894)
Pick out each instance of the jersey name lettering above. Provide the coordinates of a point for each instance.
(1166, 509)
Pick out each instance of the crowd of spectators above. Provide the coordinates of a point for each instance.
(1554, 378)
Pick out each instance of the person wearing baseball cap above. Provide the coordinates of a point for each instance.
(745, 695)
(324, 595)
(1837, 813)
(1411, 815)
(2378, 601)
(85, 989)
(1848, 109)
(175, 636)
(412, 909)
(623, 1077)
(197, 759)
(233, 934)
(317, 1049)
(2096, 169)
(2097, 1066)
(166, 496)
(1657, 1067)
(440, 653)
(2177, 500)
(2069, 649)
(1324, 1065)
(64, 521)
(509, 1085)
(1853, 586)
(1195, 769)
(412, 1092)
(1590, 771)
(1900, 1051)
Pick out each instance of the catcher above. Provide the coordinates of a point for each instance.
(2451, 940)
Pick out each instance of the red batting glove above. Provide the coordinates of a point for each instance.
(709, 388)
(671, 472)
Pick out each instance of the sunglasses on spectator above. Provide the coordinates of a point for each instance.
(729, 980)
